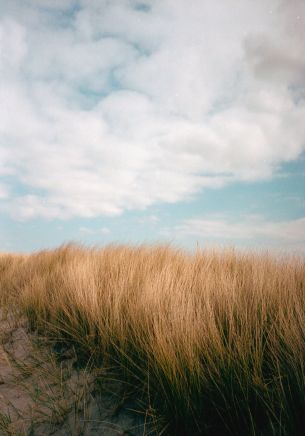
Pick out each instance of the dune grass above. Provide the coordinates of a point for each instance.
(214, 343)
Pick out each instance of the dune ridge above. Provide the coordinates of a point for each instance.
(212, 342)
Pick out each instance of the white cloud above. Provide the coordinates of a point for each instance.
(13, 48)
(246, 231)
(4, 191)
(91, 231)
(86, 230)
(149, 219)
(110, 106)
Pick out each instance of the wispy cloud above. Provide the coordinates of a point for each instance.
(148, 219)
(94, 231)
(4, 191)
(247, 230)
(109, 106)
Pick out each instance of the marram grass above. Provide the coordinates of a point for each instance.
(213, 342)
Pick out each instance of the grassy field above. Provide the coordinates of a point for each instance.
(213, 343)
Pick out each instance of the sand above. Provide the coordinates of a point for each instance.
(44, 393)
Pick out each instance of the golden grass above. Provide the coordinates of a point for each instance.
(215, 341)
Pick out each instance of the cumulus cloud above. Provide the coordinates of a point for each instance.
(108, 106)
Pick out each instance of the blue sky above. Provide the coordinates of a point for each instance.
(152, 121)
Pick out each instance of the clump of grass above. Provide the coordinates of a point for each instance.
(5, 421)
(215, 341)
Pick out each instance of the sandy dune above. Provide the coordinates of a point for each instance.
(42, 393)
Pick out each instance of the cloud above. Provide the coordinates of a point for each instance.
(86, 230)
(149, 219)
(255, 229)
(91, 231)
(4, 191)
(110, 106)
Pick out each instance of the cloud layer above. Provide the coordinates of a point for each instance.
(109, 106)
(249, 230)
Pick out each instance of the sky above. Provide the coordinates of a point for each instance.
(153, 121)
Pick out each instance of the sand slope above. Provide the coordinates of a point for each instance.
(44, 394)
